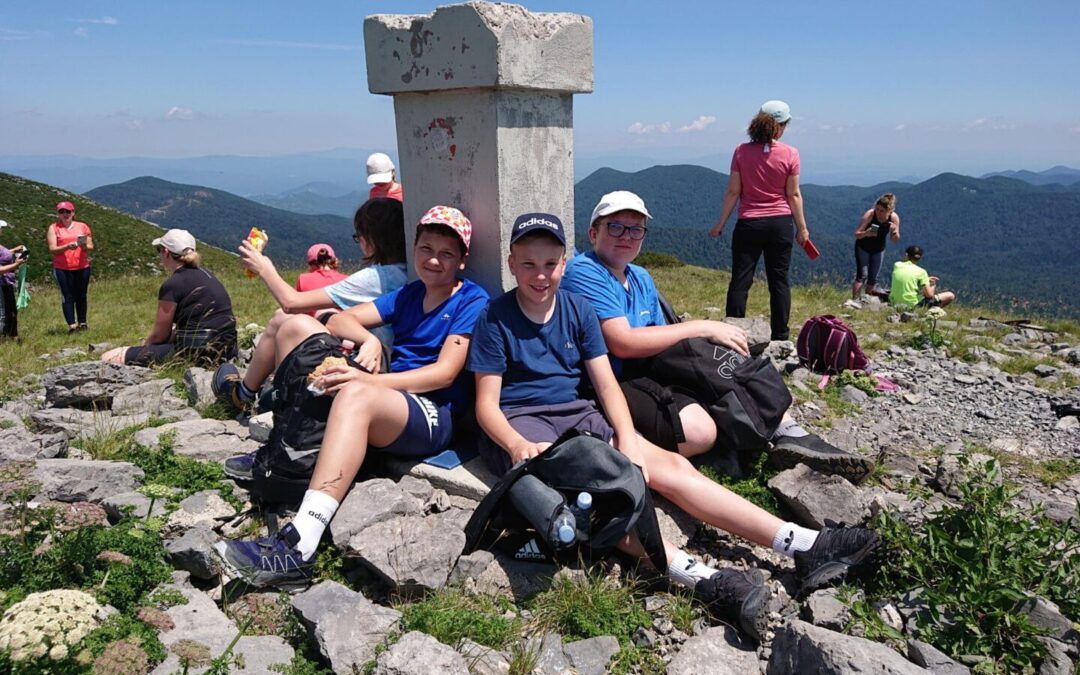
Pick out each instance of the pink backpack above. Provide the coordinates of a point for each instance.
(827, 345)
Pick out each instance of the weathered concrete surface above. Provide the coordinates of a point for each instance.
(484, 109)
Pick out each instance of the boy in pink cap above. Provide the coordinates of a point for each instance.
(322, 270)
(407, 412)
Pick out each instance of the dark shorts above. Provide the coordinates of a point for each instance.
(545, 424)
(427, 431)
(148, 355)
(929, 302)
(650, 419)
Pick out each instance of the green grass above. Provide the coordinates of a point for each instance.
(451, 615)
(589, 606)
(753, 488)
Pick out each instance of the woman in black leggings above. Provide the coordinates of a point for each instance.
(876, 224)
(70, 243)
(765, 183)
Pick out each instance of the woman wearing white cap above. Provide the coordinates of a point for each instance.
(382, 177)
(765, 183)
(194, 314)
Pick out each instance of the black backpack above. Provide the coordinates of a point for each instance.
(283, 466)
(576, 462)
(745, 396)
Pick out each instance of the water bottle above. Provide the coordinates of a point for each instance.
(563, 528)
(582, 510)
(543, 507)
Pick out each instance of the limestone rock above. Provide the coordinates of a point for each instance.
(202, 508)
(929, 657)
(81, 480)
(814, 497)
(368, 503)
(802, 648)
(194, 552)
(483, 660)
(116, 505)
(472, 479)
(18, 443)
(89, 383)
(197, 382)
(951, 474)
(209, 440)
(717, 651)
(346, 626)
(853, 394)
(153, 398)
(417, 653)
(412, 553)
(757, 330)
(550, 658)
(823, 608)
(591, 656)
(260, 426)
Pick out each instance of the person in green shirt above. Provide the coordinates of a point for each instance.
(912, 286)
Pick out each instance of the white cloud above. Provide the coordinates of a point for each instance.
(699, 124)
(284, 44)
(135, 124)
(900, 127)
(103, 21)
(641, 128)
(81, 32)
(988, 124)
(8, 34)
(178, 113)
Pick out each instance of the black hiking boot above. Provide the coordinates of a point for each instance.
(737, 597)
(821, 456)
(840, 553)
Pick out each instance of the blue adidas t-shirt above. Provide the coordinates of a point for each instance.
(539, 363)
(637, 301)
(419, 337)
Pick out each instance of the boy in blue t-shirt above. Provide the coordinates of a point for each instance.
(406, 412)
(532, 347)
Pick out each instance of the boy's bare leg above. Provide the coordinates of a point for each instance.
(674, 477)
(264, 359)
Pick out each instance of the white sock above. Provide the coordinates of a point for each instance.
(789, 427)
(687, 571)
(791, 538)
(312, 519)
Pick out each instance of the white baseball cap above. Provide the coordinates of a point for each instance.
(3, 224)
(177, 241)
(379, 168)
(620, 200)
(778, 110)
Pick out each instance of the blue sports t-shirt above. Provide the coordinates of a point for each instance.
(419, 337)
(539, 363)
(637, 301)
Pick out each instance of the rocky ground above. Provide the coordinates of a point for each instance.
(400, 535)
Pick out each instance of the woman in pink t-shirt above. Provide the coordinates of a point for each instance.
(765, 183)
(70, 243)
(322, 270)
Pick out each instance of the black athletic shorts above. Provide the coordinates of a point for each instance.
(652, 420)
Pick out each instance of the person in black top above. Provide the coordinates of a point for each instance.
(194, 315)
(876, 224)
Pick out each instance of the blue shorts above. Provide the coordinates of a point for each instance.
(427, 431)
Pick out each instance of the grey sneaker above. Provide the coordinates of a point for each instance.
(839, 553)
(737, 597)
(821, 456)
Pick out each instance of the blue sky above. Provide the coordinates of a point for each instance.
(885, 89)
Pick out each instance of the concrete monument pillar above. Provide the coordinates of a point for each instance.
(483, 100)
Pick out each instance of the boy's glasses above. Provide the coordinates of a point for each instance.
(636, 232)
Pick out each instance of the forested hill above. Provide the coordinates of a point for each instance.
(122, 242)
(223, 219)
(1000, 241)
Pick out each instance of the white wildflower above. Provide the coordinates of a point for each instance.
(38, 626)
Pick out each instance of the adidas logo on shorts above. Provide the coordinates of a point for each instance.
(530, 551)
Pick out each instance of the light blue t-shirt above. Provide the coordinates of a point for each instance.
(418, 337)
(539, 363)
(637, 301)
(366, 285)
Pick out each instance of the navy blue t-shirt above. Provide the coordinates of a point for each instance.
(419, 337)
(539, 363)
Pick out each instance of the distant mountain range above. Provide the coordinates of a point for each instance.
(1000, 241)
(316, 198)
(1061, 175)
(223, 219)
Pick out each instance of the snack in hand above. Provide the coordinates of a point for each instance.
(258, 239)
(320, 370)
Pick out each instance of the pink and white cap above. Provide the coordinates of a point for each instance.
(452, 218)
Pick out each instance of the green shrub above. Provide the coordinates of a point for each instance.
(754, 487)
(975, 562)
(858, 379)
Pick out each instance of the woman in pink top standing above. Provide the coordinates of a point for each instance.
(765, 183)
(70, 243)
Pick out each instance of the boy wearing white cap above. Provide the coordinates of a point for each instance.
(382, 177)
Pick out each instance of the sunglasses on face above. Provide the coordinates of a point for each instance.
(636, 232)
(64, 212)
(356, 238)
